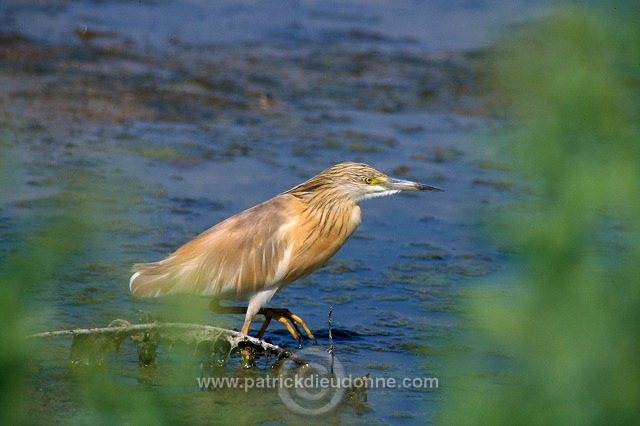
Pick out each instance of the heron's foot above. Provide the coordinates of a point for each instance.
(287, 318)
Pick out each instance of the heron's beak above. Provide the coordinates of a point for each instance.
(407, 185)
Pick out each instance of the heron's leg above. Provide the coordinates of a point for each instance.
(267, 319)
(287, 318)
(218, 309)
(281, 315)
(292, 327)
(265, 324)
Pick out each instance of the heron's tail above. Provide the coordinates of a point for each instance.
(150, 280)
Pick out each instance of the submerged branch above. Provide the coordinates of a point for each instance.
(186, 333)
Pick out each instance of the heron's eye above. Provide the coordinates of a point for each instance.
(368, 180)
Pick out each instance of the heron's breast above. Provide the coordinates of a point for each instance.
(317, 239)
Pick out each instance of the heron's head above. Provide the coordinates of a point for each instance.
(356, 182)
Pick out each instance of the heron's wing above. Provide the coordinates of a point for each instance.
(243, 254)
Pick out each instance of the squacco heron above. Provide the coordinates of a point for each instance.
(252, 255)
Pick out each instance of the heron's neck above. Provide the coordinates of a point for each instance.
(341, 215)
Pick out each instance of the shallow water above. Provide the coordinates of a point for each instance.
(162, 119)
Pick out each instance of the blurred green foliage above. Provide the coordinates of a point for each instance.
(31, 255)
(572, 326)
(23, 269)
(568, 332)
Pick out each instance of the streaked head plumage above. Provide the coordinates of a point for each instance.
(356, 182)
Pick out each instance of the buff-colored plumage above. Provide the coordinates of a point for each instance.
(255, 253)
